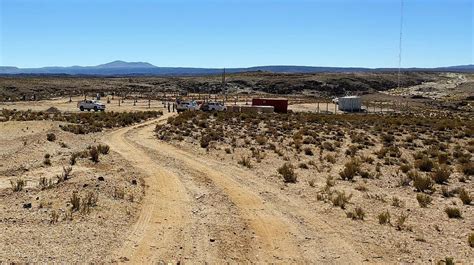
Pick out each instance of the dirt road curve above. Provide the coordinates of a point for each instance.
(200, 210)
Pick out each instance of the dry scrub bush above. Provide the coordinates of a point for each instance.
(18, 184)
(447, 193)
(73, 158)
(103, 149)
(396, 202)
(357, 214)
(45, 183)
(340, 199)
(441, 174)
(453, 212)
(245, 161)
(424, 164)
(288, 173)
(90, 200)
(47, 160)
(423, 200)
(308, 151)
(94, 154)
(423, 183)
(51, 137)
(468, 169)
(384, 217)
(465, 197)
(330, 158)
(75, 202)
(119, 193)
(471, 240)
(350, 170)
(54, 217)
(65, 175)
(400, 222)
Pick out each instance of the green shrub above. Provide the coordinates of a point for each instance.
(288, 173)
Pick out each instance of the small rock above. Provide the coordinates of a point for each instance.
(27, 205)
(212, 240)
(100, 178)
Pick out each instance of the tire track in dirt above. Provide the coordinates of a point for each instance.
(162, 225)
(267, 218)
(273, 234)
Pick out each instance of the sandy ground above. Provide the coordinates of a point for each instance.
(28, 234)
(449, 88)
(195, 207)
(64, 105)
(217, 217)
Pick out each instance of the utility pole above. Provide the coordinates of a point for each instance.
(223, 87)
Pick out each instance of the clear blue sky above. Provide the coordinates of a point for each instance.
(213, 33)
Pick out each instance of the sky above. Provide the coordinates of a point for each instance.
(220, 33)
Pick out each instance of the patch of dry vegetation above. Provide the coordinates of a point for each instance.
(82, 123)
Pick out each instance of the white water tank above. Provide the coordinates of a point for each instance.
(350, 103)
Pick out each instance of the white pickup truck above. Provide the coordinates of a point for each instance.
(90, 105)
(186, 105)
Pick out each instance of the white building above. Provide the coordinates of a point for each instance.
(350, 103)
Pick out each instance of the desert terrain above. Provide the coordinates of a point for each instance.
(139, 184)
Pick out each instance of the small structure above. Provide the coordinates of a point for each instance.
(350, 103)
(279, 104)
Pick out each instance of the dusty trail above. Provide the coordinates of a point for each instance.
(162, 222)
(281, 229)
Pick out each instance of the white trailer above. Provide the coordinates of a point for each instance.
(350, 103)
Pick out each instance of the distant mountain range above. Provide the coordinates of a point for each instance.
(121, 68)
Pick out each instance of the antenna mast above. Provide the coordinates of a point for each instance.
(400, 43)
(223, 86)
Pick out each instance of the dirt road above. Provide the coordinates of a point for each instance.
(200, 210)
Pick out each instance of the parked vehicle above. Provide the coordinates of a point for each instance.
(90, 105)
(186, 105)
(213, 106)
